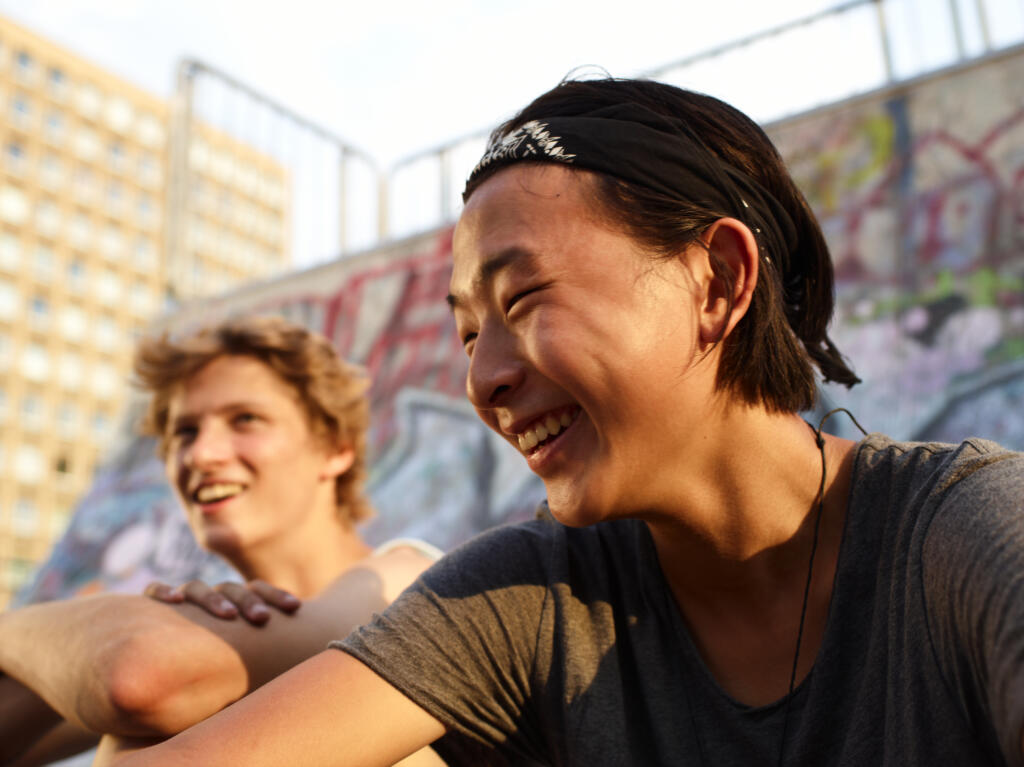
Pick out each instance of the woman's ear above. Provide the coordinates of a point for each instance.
(731, 243)
(338, 462)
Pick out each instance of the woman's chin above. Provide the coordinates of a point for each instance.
(571, 512)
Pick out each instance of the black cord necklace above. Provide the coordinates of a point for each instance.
(820, 441)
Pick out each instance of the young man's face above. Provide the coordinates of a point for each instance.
(241, 454)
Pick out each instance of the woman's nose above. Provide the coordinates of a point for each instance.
(495, 369)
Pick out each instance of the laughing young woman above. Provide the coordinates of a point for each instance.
(643, 294)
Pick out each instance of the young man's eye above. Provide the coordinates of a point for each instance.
(184, 433)
(467, 340)
(245, 418)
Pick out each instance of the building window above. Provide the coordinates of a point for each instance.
(39, 313)
(84, 184)
(118, 114)
(24, 66)
(105, 381)
(88, 100)
(54, 127)
(147, 212)
(42, 263)
(108, 289)
(16, 159)
(10, 300)
(107, 334)
(112, 243)
(86, 144)
(141, 299)
(47, 218)
(18, 572)
(77, 276)
(72, 323)
(52, 171)
(26, 516)
(145, 255)
(115, 198)
(13, 205)
(149, 171)
(35, 363)
(33, 414)
(10, 252)
(101, 428)
(67, 420)
(71, 371)
(81, 231)
(116, 157)
(21, 111)
(150, 132)
(57, 82)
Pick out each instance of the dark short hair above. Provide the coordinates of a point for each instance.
(770, 356)
(331, 391)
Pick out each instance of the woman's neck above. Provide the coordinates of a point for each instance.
(736, 554)
(746, 507)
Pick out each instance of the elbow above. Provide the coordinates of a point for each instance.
(136, 690)
(152, 689)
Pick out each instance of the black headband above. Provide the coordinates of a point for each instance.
(642, 147)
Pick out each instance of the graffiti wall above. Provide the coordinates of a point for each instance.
(921, 193)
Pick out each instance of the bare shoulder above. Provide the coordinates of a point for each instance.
(399, 562)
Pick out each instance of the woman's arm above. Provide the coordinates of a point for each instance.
(329, 710)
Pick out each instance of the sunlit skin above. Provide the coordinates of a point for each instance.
(560, 312)
(237, 429)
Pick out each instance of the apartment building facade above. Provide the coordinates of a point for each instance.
(83, 266)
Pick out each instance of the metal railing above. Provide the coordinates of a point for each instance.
(422, 191)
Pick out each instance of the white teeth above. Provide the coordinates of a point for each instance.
(217, 491)
(540, 431)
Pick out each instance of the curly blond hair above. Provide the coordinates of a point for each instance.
(331, 390)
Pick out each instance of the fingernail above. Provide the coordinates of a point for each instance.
(226, 606)
(259, 611)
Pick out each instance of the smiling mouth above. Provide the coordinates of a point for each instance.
(546, 429)
(217, 491)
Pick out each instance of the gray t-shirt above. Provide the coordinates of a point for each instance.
(565, 646)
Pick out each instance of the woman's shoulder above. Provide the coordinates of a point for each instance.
(935, 468)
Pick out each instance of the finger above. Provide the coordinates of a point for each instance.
(251, 604)
(163, 592)
(272, 595)
(210, 600)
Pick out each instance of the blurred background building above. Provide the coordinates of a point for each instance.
(83, 267)
(902, 120)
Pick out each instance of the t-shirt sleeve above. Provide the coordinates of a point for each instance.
(973, 571)
(461, 641)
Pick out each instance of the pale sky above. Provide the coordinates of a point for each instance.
(398, 76)
(395, 78)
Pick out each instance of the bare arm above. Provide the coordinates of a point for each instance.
(62, 741)
(24, 718)
(131, 666)
(329, 710)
